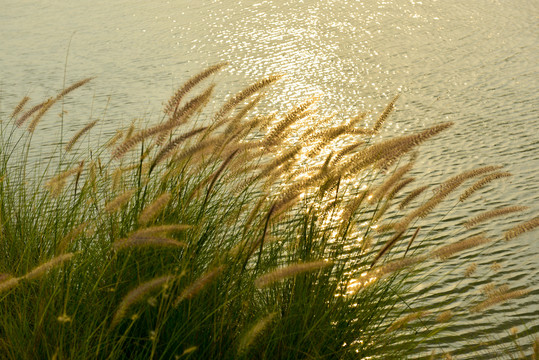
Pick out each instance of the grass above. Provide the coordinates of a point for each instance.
(222, 236)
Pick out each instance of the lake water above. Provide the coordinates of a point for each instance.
(472, 62)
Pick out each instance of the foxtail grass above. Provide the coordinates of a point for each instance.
(229, 234)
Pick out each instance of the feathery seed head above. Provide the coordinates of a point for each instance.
(137, 294)
(289, 271)
(152, 210)
(49, 265)
(522, 228)
(120, 200)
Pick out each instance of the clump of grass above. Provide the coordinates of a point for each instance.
(222, 235)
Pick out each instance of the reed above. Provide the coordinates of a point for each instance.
(226, 235)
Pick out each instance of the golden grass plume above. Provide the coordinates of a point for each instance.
(138, 293)
(498, 298)
(19, 107)
(487, 215)
(290, 271)
(484, 181)
(190, 291)
(119, 201)
(256, 330)
(522, 228)
(450, 250)
(79, 134)
(399, 323)
(151, 211)
(147, 241)
(174, 102)
(42, 269)
(8, 282)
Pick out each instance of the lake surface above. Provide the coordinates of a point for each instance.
(472, 62)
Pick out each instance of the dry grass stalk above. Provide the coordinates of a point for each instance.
(491, 290)
(450, 250)
(412, 240)
(8, 282)
(46, 106)
(199, 284)
(522, 228)
(443, 191)
(326, 136)
(73, 87)
(56, 184)
(283, 205)
(147, 241)
(287, 155)
(415, 193)
(159, 230)
(114, 139)
(345, 151)
(387, 246)
(174, 102)
(130, 130)
(492, 214)
(116, 179)
(289, 271)
(78, 135)
(444, 316)
(470, 270)
(479, 184)
(398, 187)
(460, 178)
(255, 331)
(183, 114)
(388, 149)
(406, 319)
(291, 117)
(496, 266)
(19, 106)
(381, 210)
(390, 182)
(351, 207)
(137, 294)
(43, 268)
(400, 264)
(70, 236)
(20, 121)
(242, 95)
(234, 123)
(498, 299)
(120, 200)
(152, 210)
(173, 144)
(385, 114)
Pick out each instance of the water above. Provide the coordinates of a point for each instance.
(474, 63)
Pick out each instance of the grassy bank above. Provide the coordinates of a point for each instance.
(224, 235)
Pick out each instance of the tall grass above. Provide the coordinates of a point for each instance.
(224, 235)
